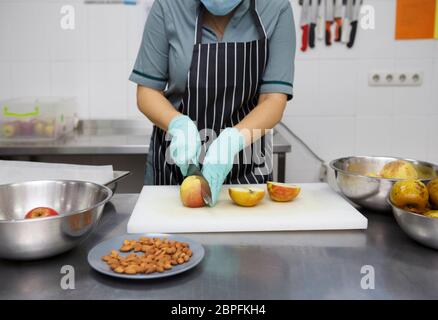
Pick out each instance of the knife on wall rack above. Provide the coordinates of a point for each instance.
(304, 23)
(354, 22)
(338, 19)
(314, 10)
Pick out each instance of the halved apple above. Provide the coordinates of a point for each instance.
(282, 192)
(246, 196)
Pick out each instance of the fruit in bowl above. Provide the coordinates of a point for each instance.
(410, 195)
(432, 214)
(41, 212)
(432, 187)
(282, 192)
(246, 196)
(191, 191)
(399, 169)
(10, 130)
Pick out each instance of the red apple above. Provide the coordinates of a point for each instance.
(191, 192)
(41, 212)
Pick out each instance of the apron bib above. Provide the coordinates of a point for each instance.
(222, 88)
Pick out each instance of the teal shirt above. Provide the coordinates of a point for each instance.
(166, 50)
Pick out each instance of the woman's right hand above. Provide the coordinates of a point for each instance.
(185, 145)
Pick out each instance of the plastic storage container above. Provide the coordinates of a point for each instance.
(36, 119)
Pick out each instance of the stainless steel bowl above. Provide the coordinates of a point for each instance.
(372, 192)
(80, 205)
(418, 227)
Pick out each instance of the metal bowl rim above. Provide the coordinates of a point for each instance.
(107, 198)
(409, 212)
(428, 164)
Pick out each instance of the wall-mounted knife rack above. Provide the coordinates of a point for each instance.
(344, 2)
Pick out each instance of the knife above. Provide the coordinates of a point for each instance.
(328, 21)
(354, 22)
(194, 170)
(320, 28)
(346, 26)
(304, 23)
(338, 19)
(314, 8)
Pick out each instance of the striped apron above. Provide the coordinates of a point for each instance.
(222, 88)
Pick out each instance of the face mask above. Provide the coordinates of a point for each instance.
(220, 7)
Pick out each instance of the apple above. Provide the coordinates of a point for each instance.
(191, 192)
(410, 195)
(246, 197)
(399, 169)
(49, 130)
(432, 187)
(38, 128)
(10, 130)
(282, 192)
(432, 214)
(41, 212)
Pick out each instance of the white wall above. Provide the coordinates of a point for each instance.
(338, 114)
(334, 110)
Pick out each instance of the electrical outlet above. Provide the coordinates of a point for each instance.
(395, 79)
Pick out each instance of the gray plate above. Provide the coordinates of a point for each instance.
(103, 248)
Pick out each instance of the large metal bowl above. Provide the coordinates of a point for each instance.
(372, 192)
(80, 205)
(418, 227)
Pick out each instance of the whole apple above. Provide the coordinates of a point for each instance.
(10, 130)
(38, 127)
(49, 130)
(191, 192)
(41, 212)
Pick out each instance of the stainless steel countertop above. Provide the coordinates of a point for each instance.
(280, 265)
(103, 137)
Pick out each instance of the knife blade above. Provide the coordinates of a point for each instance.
(194, 170)
(346, 26)
(320, 27)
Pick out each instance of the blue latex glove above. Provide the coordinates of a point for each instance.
(219, 159)
(185, 145)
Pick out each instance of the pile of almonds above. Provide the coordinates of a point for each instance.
(158, 255)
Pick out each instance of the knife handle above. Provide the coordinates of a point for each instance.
(338, 32)
(328, 33)
(353, 33)
(305, 37)
(312, 35)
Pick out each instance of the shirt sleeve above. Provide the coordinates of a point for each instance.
(151, 66)
(279, 73)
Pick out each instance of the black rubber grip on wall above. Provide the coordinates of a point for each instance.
(312, 35)
(353, 33)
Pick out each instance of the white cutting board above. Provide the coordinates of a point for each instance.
(318, 207)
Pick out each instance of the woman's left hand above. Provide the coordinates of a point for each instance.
(219, 159)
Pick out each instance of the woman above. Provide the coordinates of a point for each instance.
(214, 70)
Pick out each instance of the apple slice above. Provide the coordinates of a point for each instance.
(41, 212)
(246, 197)
(282, 192)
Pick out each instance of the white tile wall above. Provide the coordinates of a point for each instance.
(334, 110)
